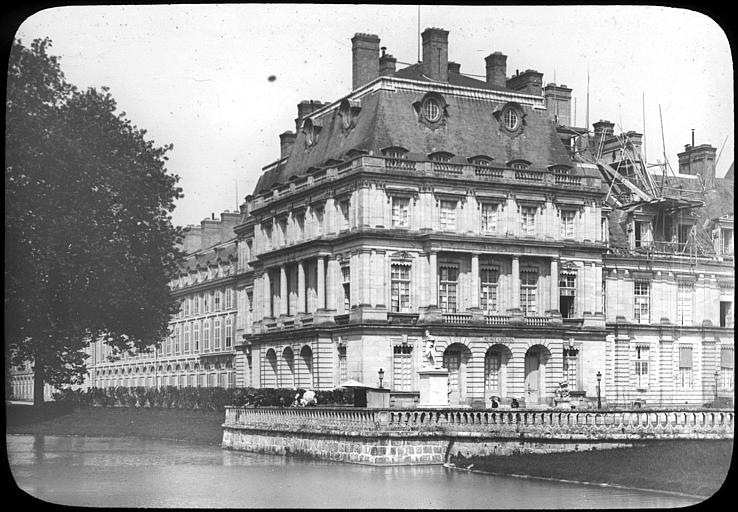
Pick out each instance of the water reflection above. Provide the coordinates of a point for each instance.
(126, 472)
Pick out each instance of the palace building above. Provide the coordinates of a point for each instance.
(428, 203)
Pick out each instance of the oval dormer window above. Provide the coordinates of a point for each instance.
(309, 133)
(431, 109)
(346, 118)
(511, 119)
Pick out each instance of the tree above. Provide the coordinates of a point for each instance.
(89, 243)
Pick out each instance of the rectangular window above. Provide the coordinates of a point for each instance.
(448, 215)
(528, 220)
(567, 223)
(447, 281)
(685, 292)
(344, 217)
(571, 360)
(400, 212)
(727, 364)
(346, 277)
(216, 301)
(216, 334)
(228, 298)
(567, 293)
(492, 365)
(488, 279)
(342, 368)
(726, 236)
(206, 303)
(228, 333)
(177, 339)
(196, 337)
(196, 304)
(250, 299)
(726, 305)
(685, 366)
(488, 217)
(187, 338)
(402, 368)
(528, 291)
(206, 336)
(400, 288)
(641, 367)
(641, 301)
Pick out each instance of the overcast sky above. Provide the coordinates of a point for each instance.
(197, 76)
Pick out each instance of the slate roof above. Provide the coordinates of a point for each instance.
(388, 119)
(415, 72)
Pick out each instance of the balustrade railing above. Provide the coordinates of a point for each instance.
(447, 168)
(489, 172)
(529, 175)
(615, 424)
(456, 318)
(567, 179)
(497, 319)
(536, 320)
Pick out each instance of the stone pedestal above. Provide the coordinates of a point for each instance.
(563, 403)
(433, 387)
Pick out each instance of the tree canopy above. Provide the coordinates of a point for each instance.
(89, 243)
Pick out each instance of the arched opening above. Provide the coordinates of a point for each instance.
(287, 377)
(456, 360)
(495, 372)
(270, 370)
(305, 377)
(534, 388)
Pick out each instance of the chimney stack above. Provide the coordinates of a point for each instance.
(602, 130)
(387, 65)
(435, 54)
(699, 160)
(365, 59)
(529, 81)
(496, 69)
(454, 67)
(558, 103)
(286, 140)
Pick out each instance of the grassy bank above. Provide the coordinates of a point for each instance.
(691, 467)
(181, 424)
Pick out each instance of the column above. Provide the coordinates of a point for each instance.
(598, 289)
(474, 288)
(554, 305)
(321, 282)
(515, 283)
(267, 295)
(283, 298)
(432, 279)
(300, 288)
(331, 284)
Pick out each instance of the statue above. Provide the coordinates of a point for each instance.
(430, 349)
(562, 393)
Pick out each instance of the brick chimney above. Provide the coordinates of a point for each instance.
(435, 54)
(699, 160)
(558, 103)
(387, 65)
(365, 59)
(286, 140)
(454, 67)
(602, 130)
(496, 69)
(529, 81)
(305, 108)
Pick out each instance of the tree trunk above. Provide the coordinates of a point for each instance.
(38, 386)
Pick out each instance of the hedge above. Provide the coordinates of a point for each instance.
(214, 399)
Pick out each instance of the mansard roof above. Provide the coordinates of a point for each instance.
(415, 72)
(388, 118)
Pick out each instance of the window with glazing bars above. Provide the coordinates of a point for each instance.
(401, 288)
(402, 368)
(488, 217)
(567, 292)
(187, 338)
(571, 360)
(528, 220)
(641, 366)
(567, 223)
(400, 211)
(216, 301)
(448, 215)
(216, 333)
(206, 335)
(196, 337)
(727, 365)
(528, 291)
(685, 292)
(228, 333)
(685, 366)
(342, 368)
(346, 276)
(641, 301)
(447, 280)
(492, 364)
(488, 279)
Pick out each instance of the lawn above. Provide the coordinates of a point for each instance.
(693, 467)
(180, 424)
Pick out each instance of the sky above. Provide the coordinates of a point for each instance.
(198, 76)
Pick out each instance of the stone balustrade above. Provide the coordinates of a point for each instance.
(549, 424)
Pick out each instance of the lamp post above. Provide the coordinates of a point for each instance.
(381, 376)
(599, 401)
(717, 376)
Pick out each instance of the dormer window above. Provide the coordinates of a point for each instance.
(440, 156)
(311, 130)
(511, 119)
(519, 164)
(431, 109)
(348, 111)
(482, 160)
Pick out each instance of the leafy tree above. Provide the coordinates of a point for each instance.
(90, 246)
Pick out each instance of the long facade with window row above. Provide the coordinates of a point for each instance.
(427, 203)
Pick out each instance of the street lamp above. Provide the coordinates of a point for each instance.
(381, 376)
(717, 376)
(599, 379)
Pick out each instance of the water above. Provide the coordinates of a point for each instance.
(130, 472)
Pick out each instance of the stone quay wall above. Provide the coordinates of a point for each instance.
(430, 436)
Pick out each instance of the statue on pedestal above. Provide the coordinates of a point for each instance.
(430, 349)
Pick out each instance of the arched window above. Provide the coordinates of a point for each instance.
(305, 377)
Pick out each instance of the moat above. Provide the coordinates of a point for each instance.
(131, 472)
